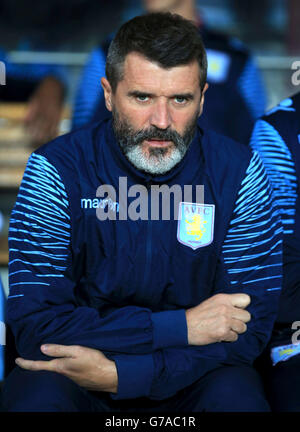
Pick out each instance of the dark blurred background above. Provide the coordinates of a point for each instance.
(76, 25)
(73, 25)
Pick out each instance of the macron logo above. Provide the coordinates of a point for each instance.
(89, 203)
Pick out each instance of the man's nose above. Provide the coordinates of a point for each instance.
(161, 116)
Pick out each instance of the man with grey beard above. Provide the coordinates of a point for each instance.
(149, 314)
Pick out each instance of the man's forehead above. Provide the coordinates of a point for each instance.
(142, 72)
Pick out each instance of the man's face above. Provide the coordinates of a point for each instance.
(155, 112)
(161, 5)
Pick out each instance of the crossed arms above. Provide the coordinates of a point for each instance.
(136, 352)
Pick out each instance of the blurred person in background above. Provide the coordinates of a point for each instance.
(276, 137)
(236, 95)
(43, 88)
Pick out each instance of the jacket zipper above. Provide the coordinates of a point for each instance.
(148, 243)
(148, 253)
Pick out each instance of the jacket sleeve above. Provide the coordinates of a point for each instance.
(275, 149)
(252, 262)
(280, 167)
(42, 306)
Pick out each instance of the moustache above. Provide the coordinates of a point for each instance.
(157, 134)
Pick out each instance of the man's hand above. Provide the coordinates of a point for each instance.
(44, 111)
(88, 367)
(219, 318)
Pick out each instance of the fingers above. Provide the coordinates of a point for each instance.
(231, 336)
(241, 314)
(54, 350)
(62, 353)
(65, 355)
(238, 326)
(240, 300)
(34, 365)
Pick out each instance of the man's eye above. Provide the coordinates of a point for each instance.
(142, 98)
(180, 99)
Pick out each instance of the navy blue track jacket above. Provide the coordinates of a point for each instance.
(276, 137)
(234, 100)
(122, 286)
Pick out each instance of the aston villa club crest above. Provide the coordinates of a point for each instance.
(195, 224)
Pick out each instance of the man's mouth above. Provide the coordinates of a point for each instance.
(156, 142)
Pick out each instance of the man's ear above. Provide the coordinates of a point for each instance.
(202, 99)
(107, 93)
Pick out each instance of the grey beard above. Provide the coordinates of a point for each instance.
(157, 162)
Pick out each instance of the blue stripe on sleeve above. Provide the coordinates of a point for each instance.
(252, 247)
(280, 168)
(39, 232)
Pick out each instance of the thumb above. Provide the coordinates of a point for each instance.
(240, 300)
